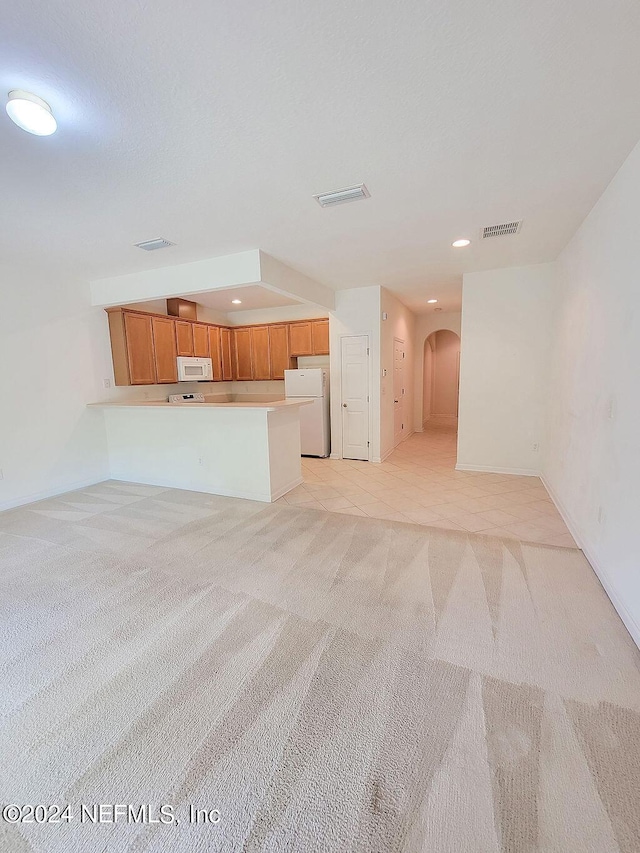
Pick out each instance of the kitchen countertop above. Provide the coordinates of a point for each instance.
(270, 406)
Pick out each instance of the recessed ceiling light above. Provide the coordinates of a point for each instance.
(431, 301)
(236, 301)
(460, 244)
(31, 113)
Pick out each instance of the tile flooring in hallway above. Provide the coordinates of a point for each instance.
(419, 483)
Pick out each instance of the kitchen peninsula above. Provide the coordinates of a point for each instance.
(238, 449)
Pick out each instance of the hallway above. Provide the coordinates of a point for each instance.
(418, 483)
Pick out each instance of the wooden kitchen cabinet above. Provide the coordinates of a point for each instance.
(139, 337)
(215, 352)
(164, 349)
(300, 340)
(145, 346)
(320, 337)
(226, 350)
(184, 338)
(243, 355)
(261, 361)
(200, 340)
(279, 350)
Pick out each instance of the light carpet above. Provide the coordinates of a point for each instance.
(326, 682)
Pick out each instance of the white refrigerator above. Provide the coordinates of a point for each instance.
(315, 424)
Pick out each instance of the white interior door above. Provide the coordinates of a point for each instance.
(398, 391)
(355, 396)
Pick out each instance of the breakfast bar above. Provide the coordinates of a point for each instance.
(238, 449)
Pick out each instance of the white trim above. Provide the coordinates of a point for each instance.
(277, 495)
(263, 497)
(51, 493)
(490, 469)
(589, 550)
(335, 456)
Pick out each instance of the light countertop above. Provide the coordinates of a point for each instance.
(271, 406)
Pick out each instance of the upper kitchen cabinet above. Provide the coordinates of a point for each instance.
(300, 340)
(320, 337)
(201, 340)
(164, 349)
(132, 348)
(242, 339)
(215, 351)
(226, 351)
(184, 338)
(261, 360)
(279, 350)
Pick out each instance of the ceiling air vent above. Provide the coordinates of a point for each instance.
(342, 196)
(501, 230)
(152, 245)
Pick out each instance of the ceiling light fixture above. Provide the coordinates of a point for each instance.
(31, 113)
(460, 244)
(431, 301)
(236, 301)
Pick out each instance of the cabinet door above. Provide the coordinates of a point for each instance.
(164, 346)
(200, 340)
(184, 338)
(139, 336)
(215, 352)
(320, 337)
(260, 352)
(226, 347)
(243, 360)
(279, 351)
(300, 339)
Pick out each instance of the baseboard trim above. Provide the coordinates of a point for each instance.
(490, 469)
(280, 492)
(263, 497)
(51, 493)
(590, 552)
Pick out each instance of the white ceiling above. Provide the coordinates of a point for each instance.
(213, 124)
(253, 297)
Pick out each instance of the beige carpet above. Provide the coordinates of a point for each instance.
(327, 682)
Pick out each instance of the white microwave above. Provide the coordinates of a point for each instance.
(194, 369)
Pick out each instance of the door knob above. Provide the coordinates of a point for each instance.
(396, 401)
(344, 405)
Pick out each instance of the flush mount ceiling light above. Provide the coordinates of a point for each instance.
(236, 301)
(460, 244)
(31, 113)
(431, 301)
(342, 196)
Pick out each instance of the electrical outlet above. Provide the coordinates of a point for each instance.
(611, 409)
(106, 383)
(601, 515)
(200, 461)
(535, 447)
(1, 474)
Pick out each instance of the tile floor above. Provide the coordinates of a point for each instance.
(419, 483)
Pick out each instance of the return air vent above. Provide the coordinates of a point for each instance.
(501, 230)
(342, 196)
(152, 245)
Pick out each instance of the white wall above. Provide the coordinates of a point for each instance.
(283, 314)
(426, 324)
(400, 324)
(52, 362)
(591, 459)
(445, 374)
(357, 312)
(506, 320)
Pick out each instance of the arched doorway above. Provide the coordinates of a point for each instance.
(441, 378)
